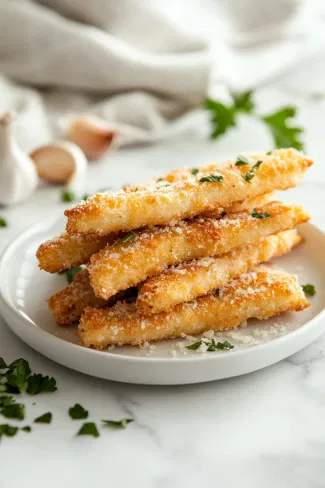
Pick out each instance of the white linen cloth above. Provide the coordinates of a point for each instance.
(121, 60)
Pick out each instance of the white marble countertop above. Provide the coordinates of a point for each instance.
(263, 429)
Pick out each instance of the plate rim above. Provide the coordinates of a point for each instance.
(57, 341)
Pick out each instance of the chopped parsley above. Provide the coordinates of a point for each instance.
(117, 424)
(78, 412)
(3, 222)
(163, 186)
(18, 373)
(251, 173)
(258, 215)
(195, 171)
(27, 428)
(159, 179)
(85, 197)
(8, 430)
(46, 418)
(127, 238)
(38, 383)
(309, 289)
(89, 428)
(71, 272)
(68, 196)
(268, 153)
(6, 400)
(211, 179)
(136, 189)
(242, 160)
(211, 345)
(14, 411)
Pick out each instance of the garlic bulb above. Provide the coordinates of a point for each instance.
(61, 162)
(18, 176)
(92, 134)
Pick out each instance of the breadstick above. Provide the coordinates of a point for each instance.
(146, 253)
(260, 293)
(103, 214)
(195, 278)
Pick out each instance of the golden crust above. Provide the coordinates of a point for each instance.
(245, 206)
(103, 214)
(121, 265)
(261, 293)
(195, 278)
(68, 304)
(66, 251)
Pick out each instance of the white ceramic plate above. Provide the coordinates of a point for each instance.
(23, 289)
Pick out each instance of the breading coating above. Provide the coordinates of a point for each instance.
(66, 251)
(245, 206)
(261, 293)
(68, 304)
(148, 252)
(189, 280)
(103, 214)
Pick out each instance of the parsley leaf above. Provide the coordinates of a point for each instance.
(251, 173)
(71, 272)
(159, 179)
(27, 428)
(18, 373)
(3, 222)
(6, 400)
(78, 412)
(8, 430)
(242, 160)
(85, 197)
(195, 171)
(68, 196)
(3, 364)
(89, 428)
(38, 383)
(284, 135)
(242, 101)
(14, 411)
(211, 345)
(309, 289)
(222, 117)
(118, 424)
(46, 418)
(258, 215)
(127, 238)
(211, 179)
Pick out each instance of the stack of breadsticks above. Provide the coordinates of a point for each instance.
(181, 255)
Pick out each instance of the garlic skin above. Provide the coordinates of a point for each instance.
(18, 175)
(61, 162)
(92, 134)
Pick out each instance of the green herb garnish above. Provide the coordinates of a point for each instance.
(8, 430)
(27, 428)
(258, 215)
(242, 160)
(212, 345)
(85, 197)
(3, 364)
(71, 273)
(117, 424)
(78, 412)
(38, 383)
(309, 289)
(6, 400)
(89, 428)
(195, 171)
(251, 173)
(127, 238)
(14, 411)
(18, 373)
(211, 179)
(3, 222)
(284, 135)
(46, 418)
(68, 196)
(159, 179)
(268, 153)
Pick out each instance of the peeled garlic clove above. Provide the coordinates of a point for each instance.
(92, 134)
(59, 162)
(18, 176)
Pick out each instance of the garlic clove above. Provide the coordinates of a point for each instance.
(92, 134)
(60, 162)
(18, 176)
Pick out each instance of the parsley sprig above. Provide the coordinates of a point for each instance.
(309, 289)
(211, 345)
(71, 273)
(251, 173)
(225, 116)
(211, 179)
(16, 378)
